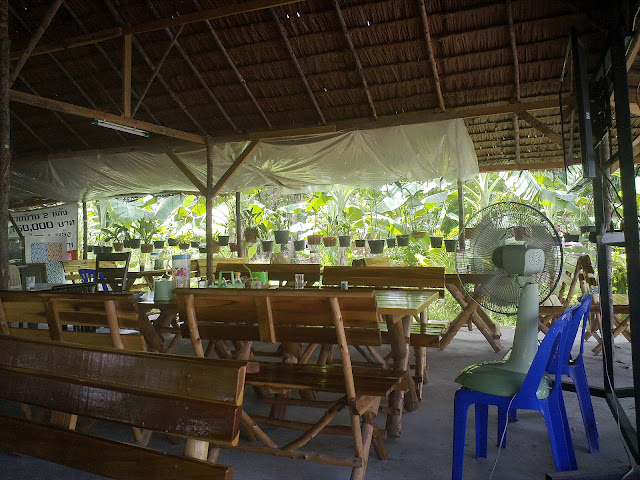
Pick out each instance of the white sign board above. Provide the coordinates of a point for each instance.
(55, 221)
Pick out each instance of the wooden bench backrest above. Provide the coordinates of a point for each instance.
(187, 396)
(576, 278)
(279, 272)
(202, 264)
(71, 268)
(279, 315)
(115, 276)
(58, 309)
(421, 277)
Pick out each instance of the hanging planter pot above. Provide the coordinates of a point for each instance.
(195, 244)
(361, 243)
(345, 240)
(587, 228)
(330, 241)
(299, 245)
(418, 234)
(281, 236)
(172, 242)
(223, 240)
(468, 231)
(267, 246)
(436, 242)
(251, 235)
(204, 249)
(451, 245)
(233, 246)
(135, 243)
(97, 249)
(391, 242)
(90, 248)
(106, 249)
(376, 246)
(127, 243)
(403, 240)
(118, 247)
(314, 239)
(571, 237)
(183, 246)
(158, 244)
(146, 247)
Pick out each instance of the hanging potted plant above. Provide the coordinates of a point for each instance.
(450, 245)
(158, 244)
(436, 239)
(314, 239)
(299, 245)
(267, 246)
(145, 228)
(330, 239)
(281, 225)
(116, 234)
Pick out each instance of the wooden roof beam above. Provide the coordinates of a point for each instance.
(35, 38)
(432, 58)
(63, 107)
(516, 136)
(356, 58)
(30, 130)
(172, 94)
(294, 59)
(57, 115)
(187, 171)
(160, 24)
(537, 124)
(156, 71)
(233, 66)
(246, 153)
(108, 60)
(516, 78)
(196, 72)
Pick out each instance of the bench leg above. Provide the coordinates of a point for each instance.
(368, 428)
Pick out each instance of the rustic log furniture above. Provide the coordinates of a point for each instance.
(283, 273)
(114, 267)
(193, 397)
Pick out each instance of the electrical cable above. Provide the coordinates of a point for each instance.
(504, 432)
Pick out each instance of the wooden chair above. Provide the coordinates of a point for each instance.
(283, 273)
(114, 267)
(423, 333)
(308, 317)
(185, 396)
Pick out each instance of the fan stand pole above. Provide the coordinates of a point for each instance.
(525, 338)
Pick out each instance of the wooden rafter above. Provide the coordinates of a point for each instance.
(126, 76)
(537, 124)
(35, 38)
(143, 54)
(294, 59)
(57, 115)
(233, 66)
(30, 130)
(356, 58)
(108, 60)
(156, 70)
(432, 57)
(63, 107)
(516, 78)
(246, 153)
(199, 16)
(196, 72)
(516, 136)
(187, 171)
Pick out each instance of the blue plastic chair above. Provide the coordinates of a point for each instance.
(574, 369)
(87, 275)
(530, 391)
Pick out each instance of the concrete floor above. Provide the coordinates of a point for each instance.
(424, 449)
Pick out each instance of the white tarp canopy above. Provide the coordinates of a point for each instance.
(357, 158)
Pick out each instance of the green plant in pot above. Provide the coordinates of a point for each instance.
(146, 228)
(330, 239)
(115, 233)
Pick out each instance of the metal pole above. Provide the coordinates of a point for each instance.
(630, 206)
(209, 204)
(5, 134)
(238, 224)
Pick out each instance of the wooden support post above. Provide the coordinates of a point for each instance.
(126, 75)
(35, 38)
(5, 154)
(209, 214)
(238, 224)
(85, 230)
(432, 57)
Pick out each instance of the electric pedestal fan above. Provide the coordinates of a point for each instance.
(511, 262)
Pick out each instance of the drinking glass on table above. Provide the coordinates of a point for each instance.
(299, 280)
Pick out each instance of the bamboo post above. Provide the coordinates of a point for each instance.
(85, 230)
(209, 205)
(5, 154)
(238, 224)
(460, 213)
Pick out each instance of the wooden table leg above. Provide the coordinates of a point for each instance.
(400, 355)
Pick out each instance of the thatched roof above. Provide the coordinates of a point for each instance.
(292, 66)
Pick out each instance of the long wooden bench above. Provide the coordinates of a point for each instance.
(186, 396)
(294, 317)
(423, 333)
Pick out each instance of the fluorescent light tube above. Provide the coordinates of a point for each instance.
(121, 128)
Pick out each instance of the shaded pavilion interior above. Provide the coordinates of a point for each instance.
(261, 69)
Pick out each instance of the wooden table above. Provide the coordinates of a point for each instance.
(471, 312)
(397, 307)
(148, 275)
